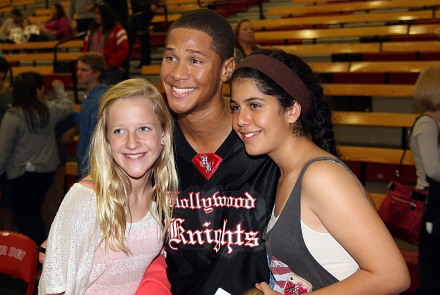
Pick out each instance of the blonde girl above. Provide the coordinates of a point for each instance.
(111, 225)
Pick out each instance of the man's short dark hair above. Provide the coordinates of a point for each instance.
(212, 24)
(4, 66)
(17, 12)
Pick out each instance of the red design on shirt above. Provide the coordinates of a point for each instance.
(207, 164)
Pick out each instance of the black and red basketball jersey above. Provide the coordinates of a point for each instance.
(224, 202)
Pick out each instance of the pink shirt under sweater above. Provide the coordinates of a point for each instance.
(115, 272)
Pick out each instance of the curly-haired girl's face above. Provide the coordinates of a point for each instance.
(135, 134)
(98, 17)
(258, 119)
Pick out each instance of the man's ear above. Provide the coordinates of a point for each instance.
(228, 67)
(293, 112)
(98, 74)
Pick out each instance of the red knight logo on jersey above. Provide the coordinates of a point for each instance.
(207, 163)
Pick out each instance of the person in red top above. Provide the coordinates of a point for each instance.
(107, 37)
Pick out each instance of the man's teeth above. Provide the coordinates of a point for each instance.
(250, 134)
(182, 90)
(134, 156)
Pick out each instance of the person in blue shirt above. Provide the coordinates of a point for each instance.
(90, 67)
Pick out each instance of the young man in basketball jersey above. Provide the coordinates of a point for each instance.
(225, 196)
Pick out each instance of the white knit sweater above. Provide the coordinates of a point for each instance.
(75, 260)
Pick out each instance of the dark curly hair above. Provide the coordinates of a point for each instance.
(60, 12)
(108, 17)
(317, 123)
(212, 24)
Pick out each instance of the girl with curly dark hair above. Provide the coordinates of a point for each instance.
(324, 234)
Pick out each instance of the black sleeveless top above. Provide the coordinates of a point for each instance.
(289, 244)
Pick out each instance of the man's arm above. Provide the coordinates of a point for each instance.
(155, 281)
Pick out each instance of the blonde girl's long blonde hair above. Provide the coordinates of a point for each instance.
(112, 184)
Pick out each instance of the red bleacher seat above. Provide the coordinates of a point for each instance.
(66, 78)
(157, 39)
(383, 172)
(421, 37)
(402, 78)
(389, 56)
(359, 78)
(429, 56)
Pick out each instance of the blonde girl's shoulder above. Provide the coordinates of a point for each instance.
(87, 182)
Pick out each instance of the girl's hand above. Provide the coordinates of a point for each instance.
(266, 289)
(42, 254)
(57, 82)
(88, 8)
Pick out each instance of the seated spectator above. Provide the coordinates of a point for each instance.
(90, 67)
(28, 151)
(244, 40)
(14, 22)
(15, 36)
(107, 37)
(29, 29)
(56, 28)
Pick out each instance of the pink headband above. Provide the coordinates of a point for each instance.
(280, 74)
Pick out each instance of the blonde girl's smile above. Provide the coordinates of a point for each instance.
(135, 135)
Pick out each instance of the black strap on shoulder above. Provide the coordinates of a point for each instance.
(397, 174)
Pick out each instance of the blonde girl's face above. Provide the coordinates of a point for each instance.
(135, 134)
